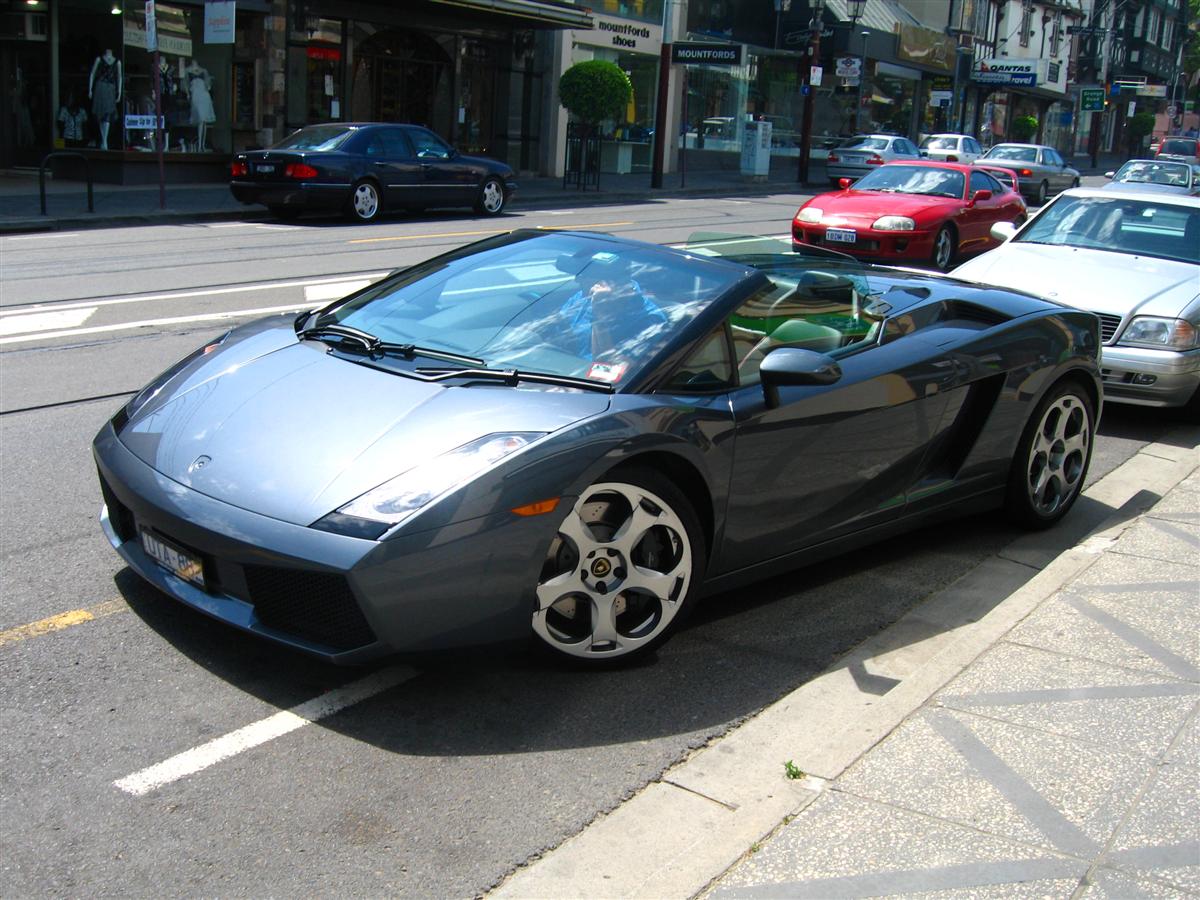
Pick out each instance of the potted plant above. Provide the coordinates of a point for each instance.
(1024, 128)
(591, 91)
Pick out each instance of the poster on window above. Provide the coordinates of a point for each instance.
(218, 21)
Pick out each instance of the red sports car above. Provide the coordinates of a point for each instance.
(932, 212)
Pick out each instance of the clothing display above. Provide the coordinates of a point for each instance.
(104, 90)
(73, 119)
(202, 105)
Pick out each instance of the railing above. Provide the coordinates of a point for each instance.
(87, 168)
(583, 157)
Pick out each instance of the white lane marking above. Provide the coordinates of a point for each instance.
(147, 323)
(316, 292)
(738, 239)
(274, 227)
(229, 225)
(182, 295)
(45, 321)
(199, 758)
(42, 237)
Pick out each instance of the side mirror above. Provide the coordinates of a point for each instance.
(983, 194)
(1109, 174)
(795, 366)
(1002, 231)
(844, 183)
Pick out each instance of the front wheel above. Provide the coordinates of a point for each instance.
(622, 571)
(1052, 458)
(943, 249)
(364, 205)
(1075, 183)
(491, 198)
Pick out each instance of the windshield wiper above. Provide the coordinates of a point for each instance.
(353, 338)
(513, 377)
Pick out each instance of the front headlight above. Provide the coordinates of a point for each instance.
(894, 223)
(810, 215)
(1160, 333)
(395, 500)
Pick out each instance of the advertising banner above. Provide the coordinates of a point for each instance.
(218, 21)
(925, 46)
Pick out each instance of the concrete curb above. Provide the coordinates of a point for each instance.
(679, 835)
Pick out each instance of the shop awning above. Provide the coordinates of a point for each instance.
(532, 13)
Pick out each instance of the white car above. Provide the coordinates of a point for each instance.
(863, 153)
(951, 148)
(1131, 257)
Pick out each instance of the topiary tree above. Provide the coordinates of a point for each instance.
(595, 90)
(1137, 127)
(1024, 127)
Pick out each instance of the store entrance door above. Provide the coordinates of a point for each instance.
(26, 132)
(403, 76)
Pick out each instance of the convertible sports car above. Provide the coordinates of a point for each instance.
(919, 211)
(365, 168)
(572, 436)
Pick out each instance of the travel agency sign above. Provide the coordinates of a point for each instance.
(1006, 71)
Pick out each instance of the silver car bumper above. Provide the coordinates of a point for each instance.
(1149, 377)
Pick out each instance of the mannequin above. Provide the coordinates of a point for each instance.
(199, 85)
(104, 87)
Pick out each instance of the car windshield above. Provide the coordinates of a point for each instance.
(319, 137)
(1017, 154)
(1179, 146)
(1148, 172)
(865, 143)
(563, 304)
(927, 180)
(939, 143)
(1119, 225)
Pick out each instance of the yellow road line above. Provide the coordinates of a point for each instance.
(61, 621)
(447, 234)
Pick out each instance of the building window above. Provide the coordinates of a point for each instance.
(1056, 35)
(1026, 30)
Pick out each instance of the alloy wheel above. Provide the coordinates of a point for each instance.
(1058, 455)
(943, 250)
(365, 201)
(492, 197)
(616, 575)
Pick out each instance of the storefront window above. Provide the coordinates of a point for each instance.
(403, 75)
(314, 76)
(87, 30)
(888, 103)
(646, 10)
(628, 137)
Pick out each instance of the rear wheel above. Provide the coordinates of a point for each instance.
(622, 572)
(1043, 192)
(943, 249)
(364, 205)
(491, 198)
(1052, 457)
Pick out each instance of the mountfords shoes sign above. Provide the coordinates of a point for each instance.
(621, 34)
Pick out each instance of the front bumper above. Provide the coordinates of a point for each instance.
(343, 599)
(1172, 376)
(869, 244)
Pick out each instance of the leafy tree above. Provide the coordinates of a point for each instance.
(595, 90)
(1024, 127)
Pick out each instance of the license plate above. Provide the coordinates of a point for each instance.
(853, 157)
(841, 235)
(264, 169)
(173, 558)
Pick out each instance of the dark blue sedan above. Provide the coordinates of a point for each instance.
(363, 169)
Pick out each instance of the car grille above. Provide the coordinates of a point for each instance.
(315, 606)
(120, 516)
(1108, 327)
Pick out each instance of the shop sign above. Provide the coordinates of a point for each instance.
(218, 21)
(621, 34)
(151, 27)
(925, 47)
(848, 67)
(694, 53)
(143, 123)
(940, 98)
(327, 54)
(1005, 71)
(177, 45)
(1152, 90)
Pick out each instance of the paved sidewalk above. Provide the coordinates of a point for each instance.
(1029, 731)
(66, 201)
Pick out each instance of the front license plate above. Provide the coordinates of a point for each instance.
(841, 235)
(173, 558)
(264, 170)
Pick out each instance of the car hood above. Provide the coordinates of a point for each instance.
(867, 206)
(285, 429)
(1095, 280)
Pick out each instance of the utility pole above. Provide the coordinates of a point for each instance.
(813, 56)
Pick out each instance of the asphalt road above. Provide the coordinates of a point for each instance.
(145, 751)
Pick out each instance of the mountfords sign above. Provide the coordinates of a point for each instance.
(1006, 71)
(694, 53)
(621, 34)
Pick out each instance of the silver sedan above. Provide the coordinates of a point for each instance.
(865, 153)
(1040, 170)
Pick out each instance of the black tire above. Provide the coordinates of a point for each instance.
(365, 202)
(587, 608)
(284, 213)
(1043, 192)
(1051, 461)
(1075, 183)
(491, 199)
(945, 248)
